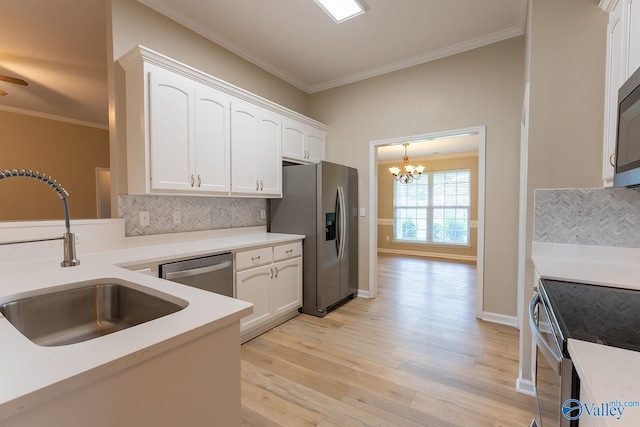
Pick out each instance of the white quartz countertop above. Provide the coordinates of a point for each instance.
(609, 374)
(32, 374)
(612, 378)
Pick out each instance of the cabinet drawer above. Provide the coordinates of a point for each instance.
(290, 250)
(254, 258)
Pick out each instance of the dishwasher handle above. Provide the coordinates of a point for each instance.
(197, 271)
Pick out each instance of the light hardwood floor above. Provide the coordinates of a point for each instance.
(414, 356)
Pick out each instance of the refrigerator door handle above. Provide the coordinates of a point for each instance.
(343, 222)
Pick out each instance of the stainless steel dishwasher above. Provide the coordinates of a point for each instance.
(213, 273)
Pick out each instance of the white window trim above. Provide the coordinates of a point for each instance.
(429, 216)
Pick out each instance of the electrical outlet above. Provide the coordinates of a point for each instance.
(362, 211)
(177, 217)
(144, 218)
(387, 238)
(263, 214)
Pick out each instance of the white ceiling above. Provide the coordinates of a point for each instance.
(430, 148)
(59, 46)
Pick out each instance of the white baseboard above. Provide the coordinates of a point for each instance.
(500, 318)
(525, 387)
(428, 254)
(363, 294)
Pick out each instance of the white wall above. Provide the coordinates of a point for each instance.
(480, 87)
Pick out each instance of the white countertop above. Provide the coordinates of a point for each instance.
(612, 377)
(31, 374)
(608, 373)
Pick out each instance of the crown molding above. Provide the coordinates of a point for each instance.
(227, 44)
(607, 5)
(209, 34)
(52, 117)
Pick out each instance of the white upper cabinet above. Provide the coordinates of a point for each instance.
(293, 140)
(623, 59)
(245, 131)
(270, 159)
(191, 133)
(256, 159)
(171, 131)
(614, 79)
(302, 143)
(315, 144)
(631, 15)
(213, 140)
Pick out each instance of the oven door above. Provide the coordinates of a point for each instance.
(553, 372)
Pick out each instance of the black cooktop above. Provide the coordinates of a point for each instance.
(599, 314)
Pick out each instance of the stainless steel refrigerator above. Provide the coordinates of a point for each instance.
(321, 201)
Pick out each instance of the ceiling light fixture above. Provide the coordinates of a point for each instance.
(341, 10)
(407, 173)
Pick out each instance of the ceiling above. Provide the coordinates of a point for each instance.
(59, 47)
(430, 148)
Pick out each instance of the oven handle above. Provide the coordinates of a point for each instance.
(552, 357)
(197, 271)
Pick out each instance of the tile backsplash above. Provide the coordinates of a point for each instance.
(196, 213)
(588, 216)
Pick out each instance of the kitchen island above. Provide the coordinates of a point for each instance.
(180, 369)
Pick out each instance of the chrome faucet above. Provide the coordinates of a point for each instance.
(68, 237)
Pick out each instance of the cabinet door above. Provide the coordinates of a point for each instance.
(255, 286)
(315, 145)
(245, 132)
(614, 79)
(287, 285)
(171, 135)
(270, 159)
(212, 133)
(293, 140)
(632, 32)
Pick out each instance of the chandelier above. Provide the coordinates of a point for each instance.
(407, 173)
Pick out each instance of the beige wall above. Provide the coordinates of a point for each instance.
(385, 207)
(67, 152)
(480, 87)
(132, 23)
(566, 56)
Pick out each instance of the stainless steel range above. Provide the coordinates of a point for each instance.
(562, 310)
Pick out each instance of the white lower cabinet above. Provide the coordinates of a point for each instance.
(255, 286)
(271, 279)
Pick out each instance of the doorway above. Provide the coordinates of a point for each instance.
(479, 134)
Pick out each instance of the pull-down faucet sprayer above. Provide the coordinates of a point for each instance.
(68, 237)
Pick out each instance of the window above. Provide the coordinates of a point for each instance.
(433, 209)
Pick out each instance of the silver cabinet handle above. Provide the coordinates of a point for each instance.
(197, 271)
(257, 185)
(276, 271)
(255, 258)
(199, 181)
(612, 159)
(192, 180)
(271, 277)
(260, 185)
(289, 252)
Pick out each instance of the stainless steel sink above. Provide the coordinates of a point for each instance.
(86, 312)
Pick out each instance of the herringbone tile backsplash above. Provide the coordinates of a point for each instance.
(197, 213)
(590, 216)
